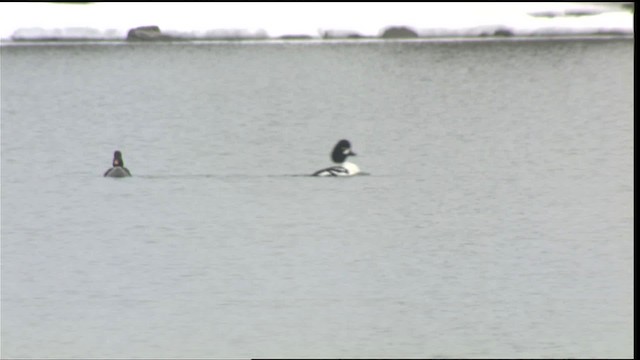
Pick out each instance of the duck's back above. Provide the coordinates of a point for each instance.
(344, 169)
(117, 171)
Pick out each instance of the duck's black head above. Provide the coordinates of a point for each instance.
(341, 151)
(117, 159)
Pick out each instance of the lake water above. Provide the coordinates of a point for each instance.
(495, 218)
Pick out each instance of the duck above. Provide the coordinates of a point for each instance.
(339, 155)
(118, 169)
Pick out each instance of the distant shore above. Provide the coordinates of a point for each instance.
(154, 34)
(578, 20)
(595, 36)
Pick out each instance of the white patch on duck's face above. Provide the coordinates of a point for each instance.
(348, 152)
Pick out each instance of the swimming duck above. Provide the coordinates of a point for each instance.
(118, 169)
(341, 151)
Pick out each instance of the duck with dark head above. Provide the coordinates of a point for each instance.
(339, 155)
(118, 169)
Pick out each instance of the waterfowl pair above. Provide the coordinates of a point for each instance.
(339, 155)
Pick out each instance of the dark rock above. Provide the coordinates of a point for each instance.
(544, 14)
(296, 37)
(496, 31)
(147, 33)
(399, 32)
(341, 34)
(503, 32)
(582, 12)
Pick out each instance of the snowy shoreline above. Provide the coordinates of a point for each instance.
(109, 22)
(317, 41)
(390, 33)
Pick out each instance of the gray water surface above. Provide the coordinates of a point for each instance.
(496, 219)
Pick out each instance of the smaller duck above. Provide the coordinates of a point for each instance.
(341, 151)
(118, 169)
